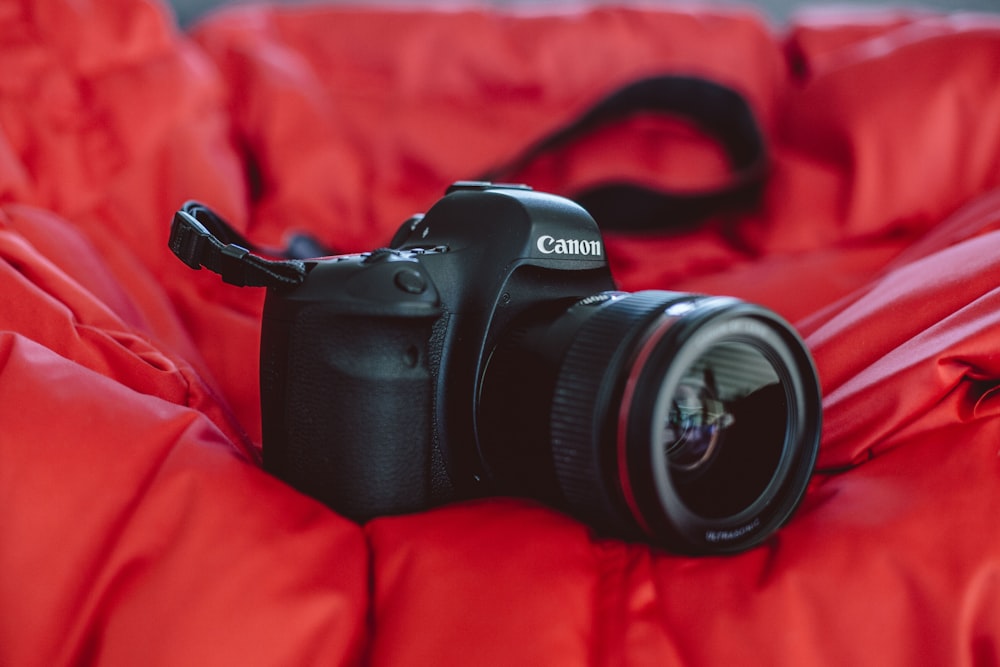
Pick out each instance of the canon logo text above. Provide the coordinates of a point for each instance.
(552, 246)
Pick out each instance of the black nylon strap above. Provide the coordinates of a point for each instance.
(621, 206)
(200, 238)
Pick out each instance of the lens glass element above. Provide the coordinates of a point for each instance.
(724, 427)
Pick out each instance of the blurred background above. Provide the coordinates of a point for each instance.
(778, 11)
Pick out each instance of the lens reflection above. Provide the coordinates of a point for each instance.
(696, 422)
(724, 429)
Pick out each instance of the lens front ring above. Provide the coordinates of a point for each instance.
(756, 479)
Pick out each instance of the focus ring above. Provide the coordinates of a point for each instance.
(585, 405)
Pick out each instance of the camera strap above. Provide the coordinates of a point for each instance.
(623, 206)
(201, 238)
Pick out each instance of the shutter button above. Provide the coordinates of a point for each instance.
(410, 281)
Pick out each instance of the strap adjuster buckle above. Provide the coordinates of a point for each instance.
(195, 238)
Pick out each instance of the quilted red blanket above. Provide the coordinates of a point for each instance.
(136, 526)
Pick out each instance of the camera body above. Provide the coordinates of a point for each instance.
(370, 370)
(486, 352)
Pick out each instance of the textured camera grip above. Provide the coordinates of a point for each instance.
(356, 412)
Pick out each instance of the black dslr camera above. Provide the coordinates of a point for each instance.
(487, 351)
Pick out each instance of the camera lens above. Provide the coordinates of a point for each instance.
(685, 420)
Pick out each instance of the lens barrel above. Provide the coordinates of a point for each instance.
(689, 421)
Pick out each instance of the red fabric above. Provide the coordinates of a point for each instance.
(135, 525)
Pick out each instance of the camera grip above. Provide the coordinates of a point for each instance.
(349, 415)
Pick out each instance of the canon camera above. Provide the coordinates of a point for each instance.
(487, 351)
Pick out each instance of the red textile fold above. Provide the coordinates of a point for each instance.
(135, 525)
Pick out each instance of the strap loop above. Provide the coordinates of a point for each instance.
(200, 238)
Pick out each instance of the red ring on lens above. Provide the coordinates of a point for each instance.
(631, 382)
